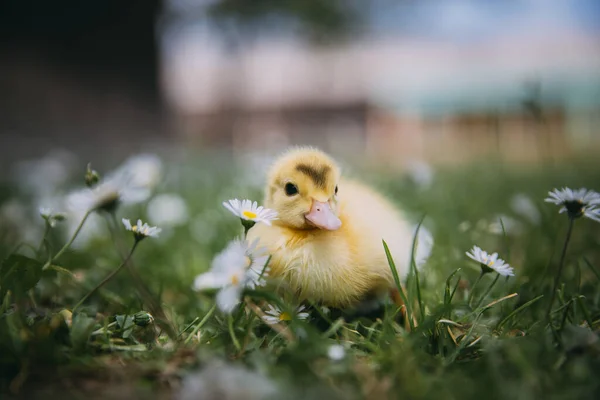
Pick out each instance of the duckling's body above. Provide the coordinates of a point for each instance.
(334, 265)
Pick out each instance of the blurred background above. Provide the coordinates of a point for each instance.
(397, 81)
(463, 111)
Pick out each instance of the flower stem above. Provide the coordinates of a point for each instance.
(473, 288)
(108, 278)
(489, 289)
(143, 291)
(70, 242)
(560, 268)
(46, 231)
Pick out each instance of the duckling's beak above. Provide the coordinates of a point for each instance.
(321, 216)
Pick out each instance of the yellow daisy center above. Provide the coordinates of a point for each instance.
(249, 214)
(235, 280)
(134, 228)
(285, 316)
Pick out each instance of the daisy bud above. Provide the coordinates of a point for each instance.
(91, 176)
(143, 318)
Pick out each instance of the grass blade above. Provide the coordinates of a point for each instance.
(392, 265)
(584, 309)
(334, 327)
(234, 339)
(415, 270)
(590, 266)
(463, 341)
(517, 311)
(505, 237)
(447, 294)
(201, 324)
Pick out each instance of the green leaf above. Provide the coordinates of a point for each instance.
(126, 324)
(81, 330)
(392, 265)
(19, 274)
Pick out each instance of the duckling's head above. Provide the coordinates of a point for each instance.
(302, 187)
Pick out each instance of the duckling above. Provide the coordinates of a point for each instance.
(327, 241)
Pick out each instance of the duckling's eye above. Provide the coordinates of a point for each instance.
(291, 189)
(336, 189)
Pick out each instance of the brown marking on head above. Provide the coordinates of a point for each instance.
(318, 176)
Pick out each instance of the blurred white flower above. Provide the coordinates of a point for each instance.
(249, 163)
(202, 228)
(250, 211)
(336, 352)
(237, 267)
(491, 262)
(42, 177)
(577, 203)
(275, 315)
(464, 226)
(258, 270)
(45, 213)
(167, 210)
(142, 170)
(129, 184)
(107, 195)
(140, 230)
(482, 225)
(524, 206)
(94, 227)
(420, 173)
(51, 217)
(511, 225)
(219, 381)
(15, 215)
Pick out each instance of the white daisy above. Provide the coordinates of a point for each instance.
(250, 211)
(235, 268)
(51, 217)
(336, 352)
(592, 213)
(275, 315)
(491, 262)
(257, 257)
(141, 231)
(577, 203)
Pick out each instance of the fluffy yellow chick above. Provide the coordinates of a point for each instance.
(326, 243)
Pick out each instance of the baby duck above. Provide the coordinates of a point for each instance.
(326, 243)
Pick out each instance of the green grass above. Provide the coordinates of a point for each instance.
(501, 347)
